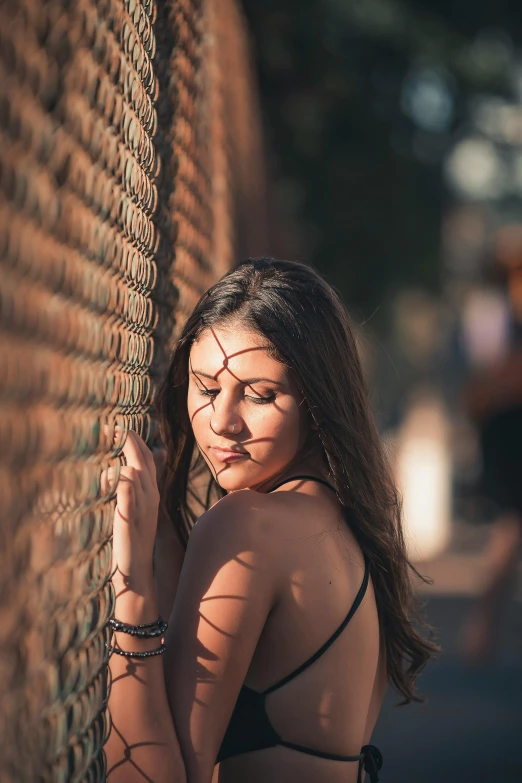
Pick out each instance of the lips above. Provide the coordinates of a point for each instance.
(228, 455)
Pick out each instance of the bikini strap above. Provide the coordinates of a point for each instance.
(357, 602)
(308, 478)
(370, 758)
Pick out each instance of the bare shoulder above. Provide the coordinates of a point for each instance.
(268, 537)
(234, 546)
(243, 518)
(282, 525)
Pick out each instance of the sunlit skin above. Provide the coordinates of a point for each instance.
(249, 418)
(265, 579)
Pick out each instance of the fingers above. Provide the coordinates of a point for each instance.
(125, 482)
(108, 480)
(132, 452)
(137, 441)
(139, 456)
(127, 494)
(111, 436)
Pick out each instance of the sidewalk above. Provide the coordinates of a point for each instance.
(470, 728)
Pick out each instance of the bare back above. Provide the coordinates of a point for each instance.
(333, 705)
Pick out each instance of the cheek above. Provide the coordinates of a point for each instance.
(280, 426)
(271, 429)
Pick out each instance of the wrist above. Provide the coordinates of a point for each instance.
(136, 608)
(138, 602)
(137, 584)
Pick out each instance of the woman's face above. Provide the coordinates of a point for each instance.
(249, 419)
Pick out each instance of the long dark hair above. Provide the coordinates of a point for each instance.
(310, 331)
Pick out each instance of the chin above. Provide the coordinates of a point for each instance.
(232, 483)
(231, 479)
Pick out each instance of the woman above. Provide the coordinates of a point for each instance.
(494, 402)
(293, 608)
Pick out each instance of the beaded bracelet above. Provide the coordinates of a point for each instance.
(145, 625)
(130, 654)
(157, 628)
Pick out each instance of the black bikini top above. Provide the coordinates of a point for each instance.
(250, 728)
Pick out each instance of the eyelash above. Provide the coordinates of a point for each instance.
(256, 400)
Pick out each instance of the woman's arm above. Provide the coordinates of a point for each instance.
(228, 586)
(142, 745)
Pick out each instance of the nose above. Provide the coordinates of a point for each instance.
(225, 418)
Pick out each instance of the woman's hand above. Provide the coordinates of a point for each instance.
(135, 517)
(142, 744)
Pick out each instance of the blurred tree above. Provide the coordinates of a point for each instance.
(361, 99)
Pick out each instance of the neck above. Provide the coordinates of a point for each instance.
(310, 463)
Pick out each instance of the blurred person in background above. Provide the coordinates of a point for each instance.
(493, 398)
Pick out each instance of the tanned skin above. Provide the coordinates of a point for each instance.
(265, 580)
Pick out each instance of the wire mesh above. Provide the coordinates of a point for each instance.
(118, 207)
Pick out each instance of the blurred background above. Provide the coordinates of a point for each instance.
(393, 135)
(148, 145)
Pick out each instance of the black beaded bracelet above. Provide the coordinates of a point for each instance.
(145, 625)
(157, 628)
(130, 654)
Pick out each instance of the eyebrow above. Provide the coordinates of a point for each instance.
(248, 382)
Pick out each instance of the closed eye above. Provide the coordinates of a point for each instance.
(261, 400)
(257, 400)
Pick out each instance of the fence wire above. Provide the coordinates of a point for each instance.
(130, 178)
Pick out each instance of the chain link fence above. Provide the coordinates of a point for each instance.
(131, 177)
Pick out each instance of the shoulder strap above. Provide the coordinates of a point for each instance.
(308, 478)
(357, 602)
